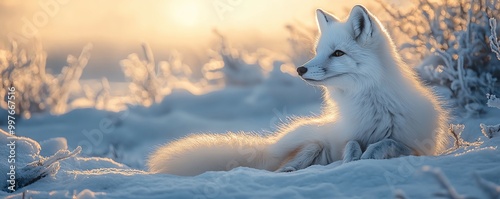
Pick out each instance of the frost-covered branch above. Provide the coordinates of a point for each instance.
(493, 101)
(450, 191)
(492, 189)
(67, 80)
(494, 45)
(39, 169)
(490, 131)
(456, 131)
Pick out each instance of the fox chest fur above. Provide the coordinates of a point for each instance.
(370, 116)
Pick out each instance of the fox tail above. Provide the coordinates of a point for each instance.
(199, 153)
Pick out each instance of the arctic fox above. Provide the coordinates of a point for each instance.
(375, 108)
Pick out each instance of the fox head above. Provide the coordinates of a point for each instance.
(348, 53)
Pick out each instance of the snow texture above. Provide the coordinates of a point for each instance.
(138, 131)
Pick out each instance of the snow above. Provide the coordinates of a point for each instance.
(369, 178)
(52, 145)
(116, 144)
(97, 153)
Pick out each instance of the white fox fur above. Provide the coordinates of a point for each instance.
(375, 107)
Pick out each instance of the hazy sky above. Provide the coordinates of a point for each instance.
(116, 28)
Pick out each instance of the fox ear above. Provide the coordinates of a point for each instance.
(361, 22)
(324, 18)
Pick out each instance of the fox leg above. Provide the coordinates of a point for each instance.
(352, 152)
(303, 158)
(385, 149)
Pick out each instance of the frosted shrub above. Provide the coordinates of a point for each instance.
(229, 66)
(144, 82)
(26, 72)
(100, 99)
(36, 90)
(457, 32)
(149, 81)
(61, 86)
(180, 75)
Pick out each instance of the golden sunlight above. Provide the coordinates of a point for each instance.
(187, 13)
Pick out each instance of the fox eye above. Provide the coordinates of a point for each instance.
(337, 53)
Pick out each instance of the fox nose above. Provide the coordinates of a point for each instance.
(301, 70)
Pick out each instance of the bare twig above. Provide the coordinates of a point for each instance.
(445, 183)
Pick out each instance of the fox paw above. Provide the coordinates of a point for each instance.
(352, 152)
(376, 151)
(286, 169)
